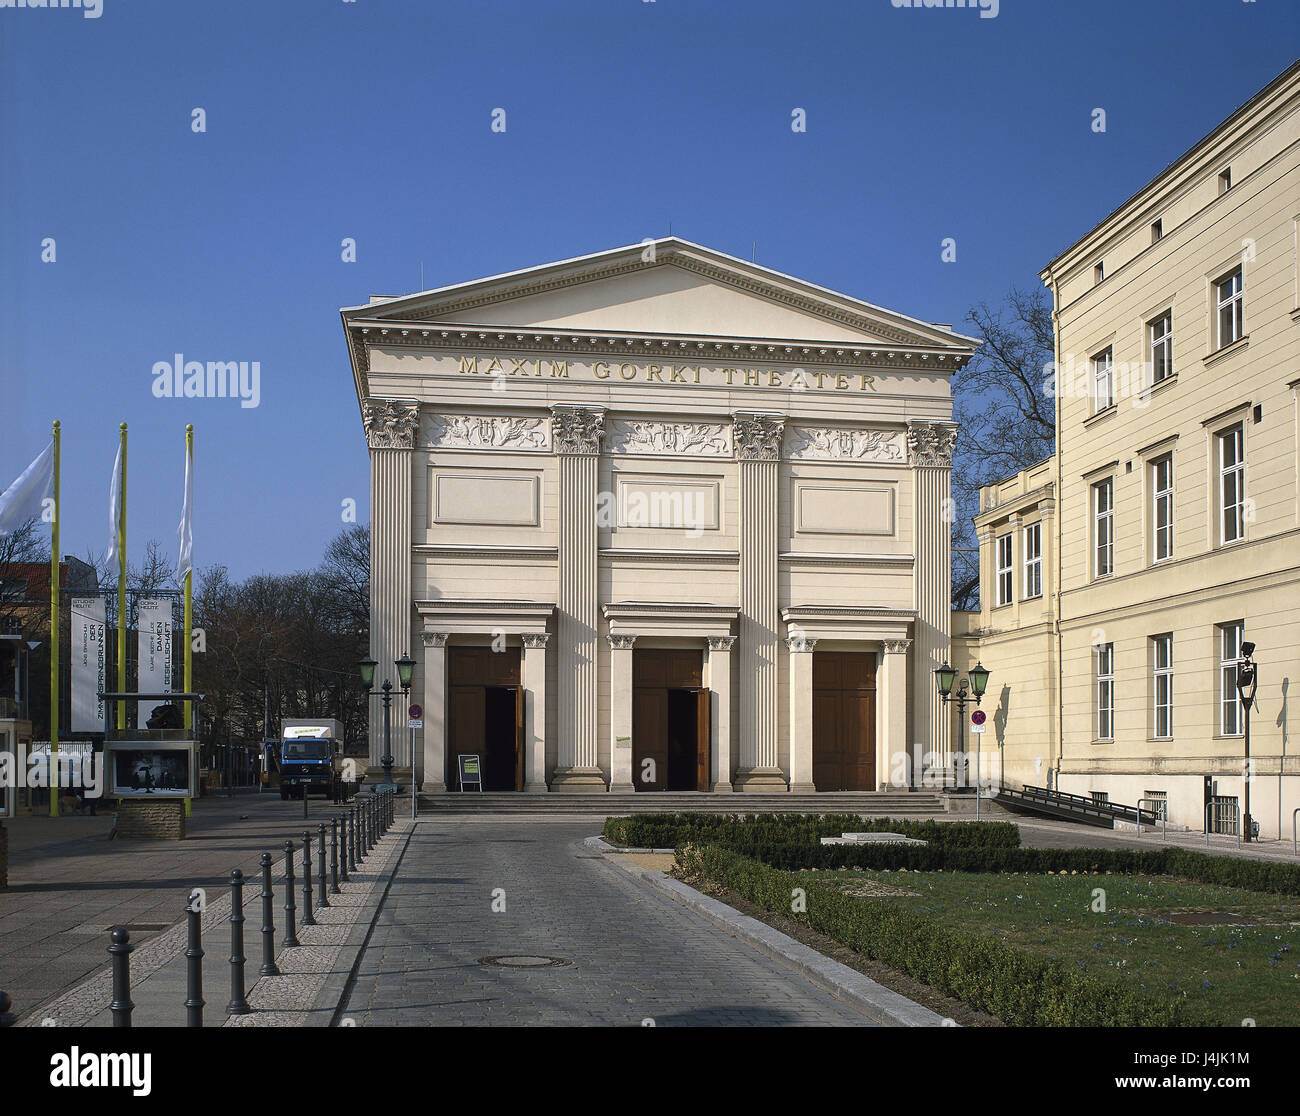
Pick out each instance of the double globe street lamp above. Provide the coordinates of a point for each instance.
(1247, 683)
(978, 679)
(405, 666)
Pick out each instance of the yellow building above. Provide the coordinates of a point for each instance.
(1171, 511)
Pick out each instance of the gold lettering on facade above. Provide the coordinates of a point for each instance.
(751, 377)
(654, 372)
(867, 381)
(675, 376)
(841, 382)
(773, 378)
(469, 364)
(494, 368)
(559, 369)
(600, 369)
(630, 374)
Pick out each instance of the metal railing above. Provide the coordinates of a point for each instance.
(1223, 806)
(1163, 815)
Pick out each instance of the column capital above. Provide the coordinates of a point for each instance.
(434, 639)
(930, 444)
(621, 641)
(535, 639)
(798, 643)
(390, 423)
(576, 428)
(721, 643)
(757, 435)
(897, 646)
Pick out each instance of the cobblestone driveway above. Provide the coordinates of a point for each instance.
(634, 953)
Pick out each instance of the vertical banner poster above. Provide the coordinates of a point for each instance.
(154, 653)
(86, 651)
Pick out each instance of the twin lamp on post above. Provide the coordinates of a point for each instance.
(945, 677)
(405, 667)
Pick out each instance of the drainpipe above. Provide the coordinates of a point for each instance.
(1060, 504)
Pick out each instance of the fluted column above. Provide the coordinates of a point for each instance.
(620, 712)
(535, 712)
(577, 434)
(801, 713)
(758, 452)
(390, 432)
(720, 710)
(929, 447)
(434, 699)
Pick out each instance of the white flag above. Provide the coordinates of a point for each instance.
(185, 530)
(24, 500)
(114, 508)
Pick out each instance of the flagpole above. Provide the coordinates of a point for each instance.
(54, 637)
(189, 595)
(121, 588)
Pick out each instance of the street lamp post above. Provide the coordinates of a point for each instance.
(405, 666)
(1247, 683)
(978, 679)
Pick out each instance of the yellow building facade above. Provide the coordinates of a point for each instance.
(1169, 518)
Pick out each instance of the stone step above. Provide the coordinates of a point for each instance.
(867, 804)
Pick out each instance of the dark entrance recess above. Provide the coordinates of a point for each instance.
(485, 715)
(844, 720)
(670, 721)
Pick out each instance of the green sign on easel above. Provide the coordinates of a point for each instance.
(470, 771)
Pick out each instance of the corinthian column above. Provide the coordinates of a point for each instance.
(577, 434)
(929, 446)
(758, 451)
(390, 433)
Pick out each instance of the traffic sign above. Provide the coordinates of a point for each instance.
(415, 712)
(977, 718)
(415, 723)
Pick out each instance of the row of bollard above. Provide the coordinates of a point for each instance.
(351, 838)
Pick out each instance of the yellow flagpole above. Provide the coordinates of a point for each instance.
(121, 588)
(54, 637)
(189, 591)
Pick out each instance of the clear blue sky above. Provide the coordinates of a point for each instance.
(371, 119)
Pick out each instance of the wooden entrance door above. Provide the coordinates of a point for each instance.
(670, 721)
(485, 705)
(844, 720)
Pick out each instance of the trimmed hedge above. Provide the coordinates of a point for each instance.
(1018, 987)
(658, 831)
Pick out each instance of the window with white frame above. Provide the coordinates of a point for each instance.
(1104, 696)
(1103, 387)
(1230, 636)
(1162, 508)
(1162, 686)
(1160, 338)
(1231, 302)
(1004, 569)
(1033, 543)
(1103, 523)
(1232, 484)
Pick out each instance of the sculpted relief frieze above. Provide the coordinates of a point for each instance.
(488, 432)
(833, 444)
(390, 423)
(693, 439)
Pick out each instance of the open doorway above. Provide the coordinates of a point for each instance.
(670, 721)
(485, 715)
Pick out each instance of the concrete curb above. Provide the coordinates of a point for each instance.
(881, 1004)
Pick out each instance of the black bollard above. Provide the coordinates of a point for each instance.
(194, 963)
(290, 931)
(308, 919)
(322, 899)
(238, 1004)
(344, 866)
(120, 952)
(370, 824)
(334, 856)
(350, 839)
(269, 967)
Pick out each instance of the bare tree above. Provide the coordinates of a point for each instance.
(1005, 405)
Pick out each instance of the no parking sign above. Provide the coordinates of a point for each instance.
(977, 720)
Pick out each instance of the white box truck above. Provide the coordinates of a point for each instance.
(311, 756)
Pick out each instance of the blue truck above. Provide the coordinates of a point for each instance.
(311, 757)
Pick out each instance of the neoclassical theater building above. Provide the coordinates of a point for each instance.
(658, 519)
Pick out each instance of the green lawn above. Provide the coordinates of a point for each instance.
(1167, 936)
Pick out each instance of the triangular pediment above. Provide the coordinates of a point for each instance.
(670, 287)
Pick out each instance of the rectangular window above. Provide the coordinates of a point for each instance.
(1103, 518)
(1225, 180)
(1162, 508)
(1160, 336)
(1231, 302)
(1230, 636)
(1104, 665)
(1162, 686)
(1098, 272)
(1157, 803)
(1157, 230)
(1100, 798)
(1004, 570)
(1033, 560)
(1232, 484)
(1103, 389)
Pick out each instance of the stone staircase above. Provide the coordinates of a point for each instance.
(865, 803)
